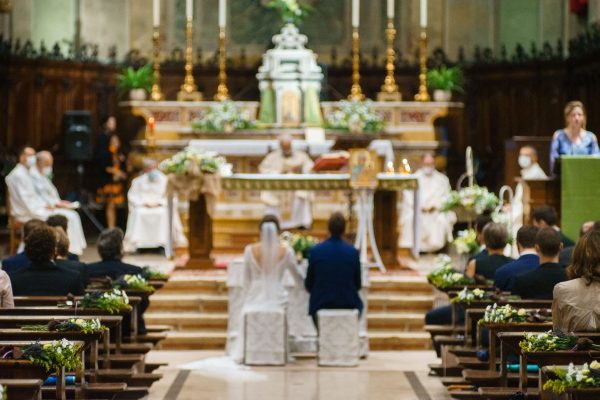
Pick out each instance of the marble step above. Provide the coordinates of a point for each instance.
(209, 340)
(206, 302)
(186, 321)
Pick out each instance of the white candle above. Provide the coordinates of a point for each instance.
(222, 12)
(355, 13)
(423, 13)
(390, 8)
(156, 13)
(189, 9)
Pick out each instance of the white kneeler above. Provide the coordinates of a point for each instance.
(338, 338)
(265, 337)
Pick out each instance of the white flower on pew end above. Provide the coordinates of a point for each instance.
(521, 312)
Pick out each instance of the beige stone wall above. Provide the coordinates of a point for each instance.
(107, 23)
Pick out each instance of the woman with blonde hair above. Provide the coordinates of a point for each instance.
(574, 139)
(576, 303)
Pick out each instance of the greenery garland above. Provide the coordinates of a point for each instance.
(113, 302)
(70, 325)
(53, 356)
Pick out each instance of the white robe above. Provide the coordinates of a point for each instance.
(297, 204)
(25, 203)
(436, 226)
(48, 193)
(148, 227)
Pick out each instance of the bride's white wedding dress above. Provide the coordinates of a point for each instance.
(263, 282)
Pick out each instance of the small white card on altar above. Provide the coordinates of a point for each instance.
(314, 135)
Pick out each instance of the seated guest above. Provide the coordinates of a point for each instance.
(110, 249)
(528, 161)
(480, 222)
(495, 237)
(148, 221)
(41, 175)
(61, 221)
(539, 283)
(546, 217)
(333, 278)
(6, 294)
(564, 258)
(43, 277)
(527, 261)
(576, 303)
(62, 252)
(20, 260)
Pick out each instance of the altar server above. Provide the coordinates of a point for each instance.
(436, 226)
(292, 208)
(25, 203)
(148, 221)
(41, 175)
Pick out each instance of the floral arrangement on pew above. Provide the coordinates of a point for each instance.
(561, 379)
(134, 282)
(507, 314)
(356, 116)
(223, 116)
(69, 325)
(2, 393)
(51, 356)
(302, 244)
(472, 199)
(114, 301)
(444, 275)
(152, 274)
(467, 296)
(555, 340)
(466, 242)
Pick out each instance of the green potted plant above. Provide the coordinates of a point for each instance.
(444, 81)
(137, 82)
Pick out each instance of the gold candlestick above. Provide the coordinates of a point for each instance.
(222, 91)
(355, 92)
(156, 93)
(423, 95)
(389, 89)
(189, 91)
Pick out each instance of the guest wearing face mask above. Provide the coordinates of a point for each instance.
(41, 176)
(148, 221)
(436, 226)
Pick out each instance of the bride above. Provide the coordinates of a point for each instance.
(265, 263)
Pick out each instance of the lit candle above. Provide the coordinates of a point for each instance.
(156, 13)
(390, 9)
(355, 13)
(423, 13)
(222, 12)
(189, 9)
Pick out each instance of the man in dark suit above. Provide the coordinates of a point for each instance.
(539, 283)
(42, 277)
(528, 260)
(110, 248)
(333, 278)
(20, 260)
(546, 217)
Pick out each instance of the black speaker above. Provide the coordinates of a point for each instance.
(77, 126)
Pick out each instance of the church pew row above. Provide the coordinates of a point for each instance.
(23, 389)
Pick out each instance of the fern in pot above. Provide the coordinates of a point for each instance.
(444, 81)
(137, 82)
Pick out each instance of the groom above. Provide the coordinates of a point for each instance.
(333, 278)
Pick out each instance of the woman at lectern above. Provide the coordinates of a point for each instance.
(574, 139)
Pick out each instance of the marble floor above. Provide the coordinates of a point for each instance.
(204, 375)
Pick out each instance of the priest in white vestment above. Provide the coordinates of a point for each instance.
(148, 221)
(25, 203)
(41, 175)
(293, 209)
(436, 226)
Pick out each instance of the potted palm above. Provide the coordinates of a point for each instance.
(444, 81)
(137, 82)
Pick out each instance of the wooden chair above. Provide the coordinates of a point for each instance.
(15, 228)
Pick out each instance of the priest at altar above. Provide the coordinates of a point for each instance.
(148, 221)
(436, 226)
(292, 208)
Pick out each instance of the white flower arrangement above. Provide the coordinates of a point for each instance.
(355, 116)
(290, 11)
(466, 242)
(474, 198)
(224, 116)
(586, 376)
(135, 282)
(193, 162)
(444, 275)
(503, 314)
(466, 296)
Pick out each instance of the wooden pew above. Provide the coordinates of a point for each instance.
(23, 389)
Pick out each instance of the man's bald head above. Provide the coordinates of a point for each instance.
(285, 144)
(44, 159)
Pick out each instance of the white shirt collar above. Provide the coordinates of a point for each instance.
(527, 252)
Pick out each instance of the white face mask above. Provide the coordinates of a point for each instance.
(31, 160)
(153, 175)
(524, 161)
(47, 172)
(428, 170)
